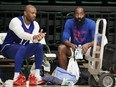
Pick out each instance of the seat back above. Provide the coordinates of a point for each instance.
(2, 37)
(11, 2)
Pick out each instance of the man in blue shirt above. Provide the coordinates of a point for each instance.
(77, 31)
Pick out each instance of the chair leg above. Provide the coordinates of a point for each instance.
(26, 69)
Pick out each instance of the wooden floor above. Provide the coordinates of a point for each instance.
(9, 83)
(47, 86)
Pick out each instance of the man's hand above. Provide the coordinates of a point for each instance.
(73, 46)
(40, 36)
(84, 48)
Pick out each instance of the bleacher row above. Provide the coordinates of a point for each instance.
(52, 20)
(59, 2)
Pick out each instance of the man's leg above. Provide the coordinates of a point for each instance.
(97, 56)
(35, 49)
(16, 52)
(89, 54)
(63, 52)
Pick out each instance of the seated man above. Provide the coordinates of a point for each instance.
(21, 42)
(81, 31)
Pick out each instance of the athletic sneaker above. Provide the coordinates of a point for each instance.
(21, 80)
(34, 81)
(65, 82)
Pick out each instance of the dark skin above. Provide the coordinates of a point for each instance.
(64, 49)
(29, 16)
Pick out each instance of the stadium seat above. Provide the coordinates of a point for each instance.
(91, 2)
(11, 2)
(69, 15)
(65, 1)
(111, 2)
(38, 1)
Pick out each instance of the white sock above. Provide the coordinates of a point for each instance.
(16, 74)
(37, 74)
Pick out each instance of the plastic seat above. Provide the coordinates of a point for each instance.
(91, 2)
(111, 2)
(48, 56)
(11, 2)
(69, 15)
(2, 37)
(65, 1)
(38, 1)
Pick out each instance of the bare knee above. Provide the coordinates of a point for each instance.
(62, 48)
(62, 57)
(64, 51)
(98, 48)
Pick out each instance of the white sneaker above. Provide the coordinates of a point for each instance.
(65, 82)
(8, 83)
(1, 82)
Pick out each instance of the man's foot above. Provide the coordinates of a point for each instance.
(21, 80)
(34, 81)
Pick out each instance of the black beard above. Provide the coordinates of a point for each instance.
(79, 21)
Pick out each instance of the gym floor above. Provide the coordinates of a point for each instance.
(46, 86)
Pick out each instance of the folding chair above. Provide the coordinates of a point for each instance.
(48, 56)
(2, 37)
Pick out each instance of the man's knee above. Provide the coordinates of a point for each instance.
(61, 48)
(39, 45)
(64, 50)
(23, 48)
(98, 48)
(61, 51)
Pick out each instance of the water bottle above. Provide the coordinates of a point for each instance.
(78, 52)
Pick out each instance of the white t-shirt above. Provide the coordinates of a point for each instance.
(16, 26)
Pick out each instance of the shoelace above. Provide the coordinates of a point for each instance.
(33, 78)
(22, 78)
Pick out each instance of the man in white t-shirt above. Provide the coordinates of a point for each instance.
(22, 41)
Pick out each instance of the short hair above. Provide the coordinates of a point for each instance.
(79, 8)
(28, 6)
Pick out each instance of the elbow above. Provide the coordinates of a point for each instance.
(20, 35)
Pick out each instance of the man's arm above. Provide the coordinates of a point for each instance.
(15, 26)
(67, 35)
(86, 46)
(69, 44)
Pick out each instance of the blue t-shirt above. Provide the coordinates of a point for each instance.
(79, 34)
